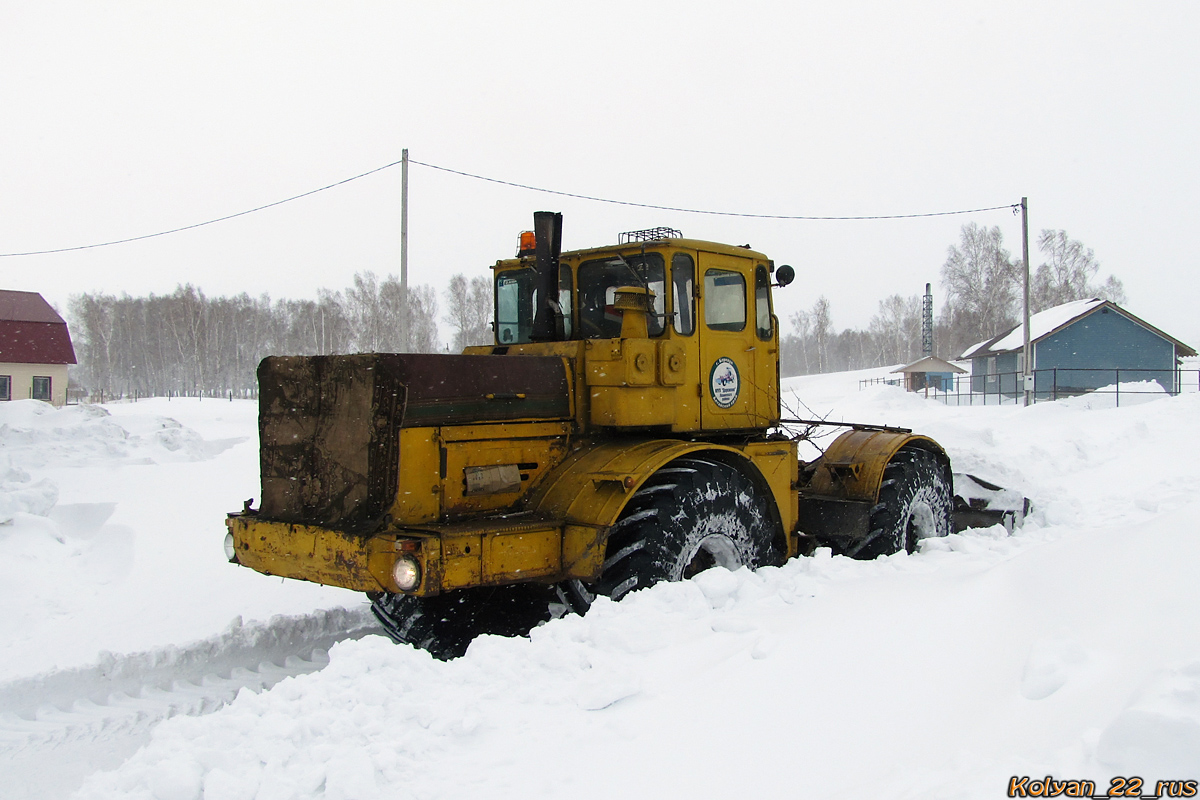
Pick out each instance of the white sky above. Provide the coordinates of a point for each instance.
(122, 119)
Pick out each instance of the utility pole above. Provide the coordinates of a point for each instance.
(1027, 371)
(404, 252)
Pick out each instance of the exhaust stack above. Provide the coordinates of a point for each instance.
(548, 321)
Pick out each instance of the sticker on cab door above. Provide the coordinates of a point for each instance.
(724, 382)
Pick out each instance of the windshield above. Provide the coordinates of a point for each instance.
(598, 284)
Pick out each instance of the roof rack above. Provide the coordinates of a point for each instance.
(648, 235)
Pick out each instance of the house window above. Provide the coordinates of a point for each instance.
(41, 388)
(5, 387)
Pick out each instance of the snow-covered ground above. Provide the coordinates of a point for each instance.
(1070, 649)
(116, 522)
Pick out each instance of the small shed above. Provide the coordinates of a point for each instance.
(35, 349)
(1077, 347)
(930, 372)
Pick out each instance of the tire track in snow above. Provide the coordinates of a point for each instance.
(57, 727)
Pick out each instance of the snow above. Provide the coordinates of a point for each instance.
(113, 530)
(1068, 648)
(1040, 324)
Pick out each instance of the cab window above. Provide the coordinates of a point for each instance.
(762, 303)
(683, 294)
(724, 300)
(517, 304)
(564, 298)
(598, 284)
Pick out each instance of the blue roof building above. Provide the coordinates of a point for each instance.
(1078, 347)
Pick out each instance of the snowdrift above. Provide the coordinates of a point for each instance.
(110, 530)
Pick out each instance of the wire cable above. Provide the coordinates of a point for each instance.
(711, 213)
(592, 198)
(199, 224)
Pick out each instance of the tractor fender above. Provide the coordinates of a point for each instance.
(852, 467)
(590, 490)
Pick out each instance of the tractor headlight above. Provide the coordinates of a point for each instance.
(230, 552)
(407, 573)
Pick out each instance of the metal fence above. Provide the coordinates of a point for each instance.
(1102, 387)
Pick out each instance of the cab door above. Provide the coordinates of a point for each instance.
(728, 376)
(766, 350)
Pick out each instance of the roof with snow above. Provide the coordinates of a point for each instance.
(31, 332)
(1052, 320)
(929, 364)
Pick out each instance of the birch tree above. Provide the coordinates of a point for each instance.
(468, 311)
(982, 285)
(1067, 274)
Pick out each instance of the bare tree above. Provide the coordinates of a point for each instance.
(469, 311)
(391, 301)
(822, 327)
(364, 310)
(92, 331)
(1112, 290)
(896, 330)
(422, 320)
(373, 311)
(794, 346)
(1067, 274)
(982, 285)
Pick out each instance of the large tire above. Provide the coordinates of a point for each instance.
(914, 504)
(446, 624)
(693, 514)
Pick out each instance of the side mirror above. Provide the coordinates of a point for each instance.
(784, 275)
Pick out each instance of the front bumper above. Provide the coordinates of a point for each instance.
(310, 553)
(488, 552)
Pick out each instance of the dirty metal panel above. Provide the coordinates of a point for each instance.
(419, 497)
(329, 425)
(516, 556)
(462, 561)
(832, 521)
(451, 389)
(486, 476)
(328, 444)
(629, 406)
(583, 551)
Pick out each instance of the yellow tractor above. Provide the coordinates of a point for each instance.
(623, 429)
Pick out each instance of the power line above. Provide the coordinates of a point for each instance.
(199, 224)
(517, 186)
(711, 213)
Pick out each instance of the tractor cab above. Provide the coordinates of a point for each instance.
(673, 333)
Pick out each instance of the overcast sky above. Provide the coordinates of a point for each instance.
(122, 119)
